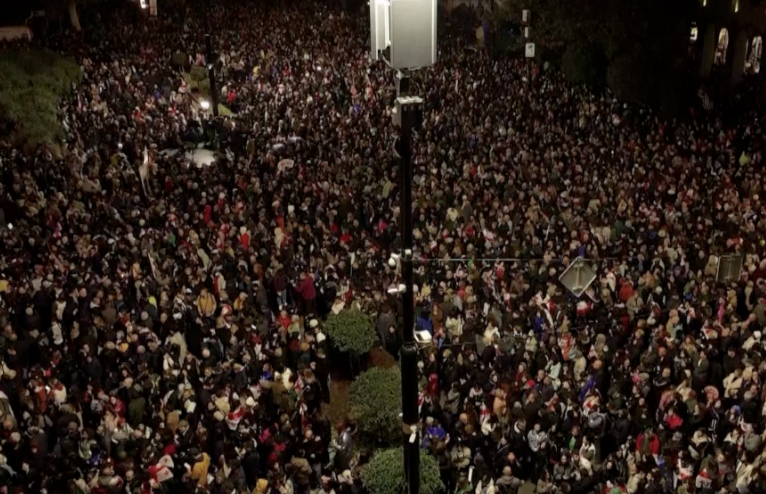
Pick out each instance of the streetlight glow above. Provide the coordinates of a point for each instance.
(204, 104)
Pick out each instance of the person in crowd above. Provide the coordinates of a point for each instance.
(161, 320)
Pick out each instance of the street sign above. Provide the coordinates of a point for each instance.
(578, 277)
(729, 268)
(529, 50)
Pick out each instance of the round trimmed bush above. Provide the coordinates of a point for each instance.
(376, 401)
(351, 331)
(384, 474)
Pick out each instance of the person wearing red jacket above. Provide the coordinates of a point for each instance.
(673, 420)
(648, 444)
(308, 293)
(244, 237)
(280, 286)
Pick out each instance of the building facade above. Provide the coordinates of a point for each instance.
(730, 35)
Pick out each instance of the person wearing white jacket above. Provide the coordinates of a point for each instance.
(746, 474)
(537, 439)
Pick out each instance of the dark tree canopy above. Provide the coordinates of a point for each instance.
(638, 47)
(32, 84)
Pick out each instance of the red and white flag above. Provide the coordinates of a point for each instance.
(299, 384)
(233, 418)
(160, 473)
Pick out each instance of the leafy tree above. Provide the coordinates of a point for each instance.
(555, 24)
(59, 10)
(644, 43)
(32, 84)
(376, 401)
(351, 331)
(384, 474)
(74, 7)
(585, 63)
(78, 12)
(648, 48)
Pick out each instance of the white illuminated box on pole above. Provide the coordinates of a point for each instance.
(407, 28)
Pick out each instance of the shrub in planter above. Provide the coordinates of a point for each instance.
(384, 474)
(179, 59)
(376, 401)
(198, 73)
(352, 331)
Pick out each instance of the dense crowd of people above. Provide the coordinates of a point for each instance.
(162, 321)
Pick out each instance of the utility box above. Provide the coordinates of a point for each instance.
(403, 32)
(408, 112)
(423, 339)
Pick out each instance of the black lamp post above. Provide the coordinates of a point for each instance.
(403, 33)
(210, 59)
(409, 112)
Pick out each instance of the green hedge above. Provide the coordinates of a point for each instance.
(376, 402)
(198, 73)
(203, 86)
(351, 331)
(32, 84)
(384, 474)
